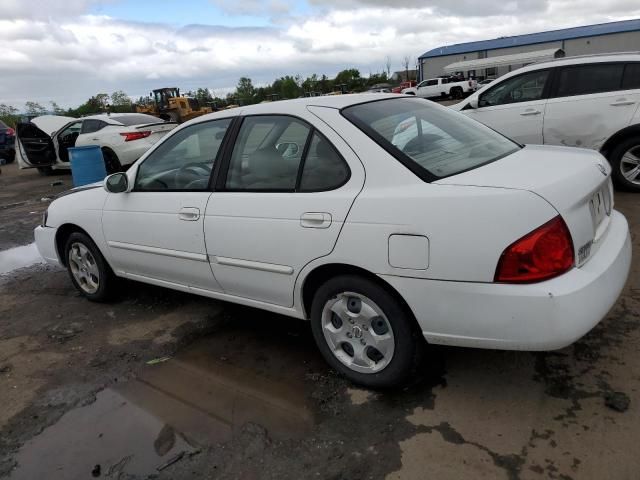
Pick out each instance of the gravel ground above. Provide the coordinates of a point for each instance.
(161, 384)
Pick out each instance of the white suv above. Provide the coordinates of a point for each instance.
(590, 102)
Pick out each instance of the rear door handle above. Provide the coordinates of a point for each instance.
(530, 112)
(189, 214)
(622, 102)
(315, 220)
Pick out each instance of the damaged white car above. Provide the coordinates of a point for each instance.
(44, 141)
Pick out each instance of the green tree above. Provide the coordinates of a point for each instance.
(55, 109)
(9, 115)
(245, 91)
(34, 109)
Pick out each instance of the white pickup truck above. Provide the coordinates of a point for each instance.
(442, 87)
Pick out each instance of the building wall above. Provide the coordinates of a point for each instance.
(615, 42)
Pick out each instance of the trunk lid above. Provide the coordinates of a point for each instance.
(158, 130)
(576, 182)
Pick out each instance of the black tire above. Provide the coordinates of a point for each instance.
(106, 279)
(615, 159)
(456, 93)
(408, 341)
(10, 157)
(111, 162)
(45, 171)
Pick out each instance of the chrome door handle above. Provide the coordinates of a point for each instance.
(315, 220)
(95, 139)
(622, 102)
(189, 214)
(530, 112)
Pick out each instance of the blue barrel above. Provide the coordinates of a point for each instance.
(87, 165)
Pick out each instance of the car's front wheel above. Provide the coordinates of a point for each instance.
(89, 271)
(364, 332)
(625, 161)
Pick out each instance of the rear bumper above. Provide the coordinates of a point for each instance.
(46, 243)
(543, 316)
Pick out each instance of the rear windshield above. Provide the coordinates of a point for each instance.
(432, 141)
(3, 125)
(140, 119)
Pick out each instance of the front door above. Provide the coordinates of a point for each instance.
(34, 144)
(155, 232)
(515, 107)
(279, 204)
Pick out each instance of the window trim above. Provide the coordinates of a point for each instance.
(419, 171)
(546, 91)
(558, 73)
(216, 160)
(223, 173)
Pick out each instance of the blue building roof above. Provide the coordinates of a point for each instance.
(533, 38)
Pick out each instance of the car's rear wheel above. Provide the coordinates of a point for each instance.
(89, 271)
(625, 162)
(456, 93)
(363, 332)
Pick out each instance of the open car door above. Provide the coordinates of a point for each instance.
(34, 143)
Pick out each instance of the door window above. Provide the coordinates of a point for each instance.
(74, 128)
(631, 79)
(523, 88)
(267, 154)
(430, 83)
(587, 79)
(90, 126)
(185, 160)
(324, 168)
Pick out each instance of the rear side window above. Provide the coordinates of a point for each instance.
(283, 154)
(90, 126)
(587, 79)
(631, 79)
(431, 141)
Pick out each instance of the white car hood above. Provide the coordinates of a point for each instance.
(51, 123)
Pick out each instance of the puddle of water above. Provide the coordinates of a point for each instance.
(19, 257)
(203, 396)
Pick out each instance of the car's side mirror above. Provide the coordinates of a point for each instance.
(473, 102)
(117, 183)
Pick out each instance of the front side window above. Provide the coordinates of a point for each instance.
(523, 88)
(74, 128)
(587, 79)
(431, 141)
(185, 160)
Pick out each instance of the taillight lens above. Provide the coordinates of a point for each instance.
(130, 136)
(540, 255)
(10, 132)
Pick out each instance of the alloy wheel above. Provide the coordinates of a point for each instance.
(630, 165)
(84, 268)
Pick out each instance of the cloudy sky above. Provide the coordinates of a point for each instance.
(68, 50)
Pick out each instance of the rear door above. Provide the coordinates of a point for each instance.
(515, 106)
(591, 102)
(279, 203)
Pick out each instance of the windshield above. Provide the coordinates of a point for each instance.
(140, 119)
(432, 141)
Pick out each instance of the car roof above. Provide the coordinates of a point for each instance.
(292, 106)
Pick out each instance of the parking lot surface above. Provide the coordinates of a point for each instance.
(163, 384)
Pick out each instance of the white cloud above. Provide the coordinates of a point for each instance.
(68, 58)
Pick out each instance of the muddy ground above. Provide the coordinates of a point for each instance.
(161, 384)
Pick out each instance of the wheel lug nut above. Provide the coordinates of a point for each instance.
(362, 341)
(351, 320)
(349, 334)
(365, 327)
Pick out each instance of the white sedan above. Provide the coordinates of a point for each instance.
(42, 143)
(384, 220)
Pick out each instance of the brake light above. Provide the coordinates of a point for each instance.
(10, 132)
(130, 136)
(540, 255)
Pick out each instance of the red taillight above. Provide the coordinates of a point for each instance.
(10, 132)
(540, 255)
(130, 136)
